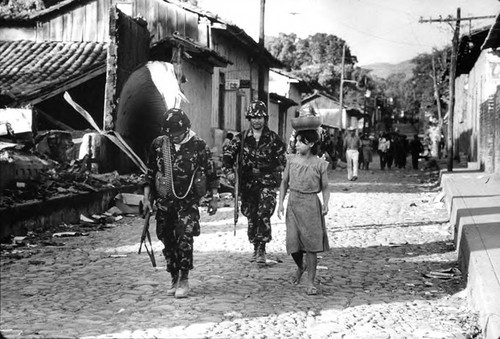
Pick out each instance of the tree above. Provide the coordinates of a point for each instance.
(20, 6)
(317, 59)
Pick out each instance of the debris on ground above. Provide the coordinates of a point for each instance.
(26, 246)
(446, 274)
(32, 173)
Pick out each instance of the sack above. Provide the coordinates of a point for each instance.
(200, 183)
(163, 186)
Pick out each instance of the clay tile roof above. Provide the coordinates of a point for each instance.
(31, 69)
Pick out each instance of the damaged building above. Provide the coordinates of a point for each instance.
(78, 73)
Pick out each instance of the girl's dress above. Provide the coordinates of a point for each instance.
(305, 223)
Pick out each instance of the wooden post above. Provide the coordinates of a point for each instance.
(261, 92)
(341, 99)
(451, 111)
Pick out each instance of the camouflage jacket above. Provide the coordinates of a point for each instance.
(191, 155)
(261, 163)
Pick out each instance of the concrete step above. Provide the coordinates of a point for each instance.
(473, 201)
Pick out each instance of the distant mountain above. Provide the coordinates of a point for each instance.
(383, 70)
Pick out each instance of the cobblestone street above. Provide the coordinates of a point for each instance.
(387, 233)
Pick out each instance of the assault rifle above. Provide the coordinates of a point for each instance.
(146, 234)
(237, 178)
(236, 193)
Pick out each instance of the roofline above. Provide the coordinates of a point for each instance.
(213, 57)
(60, 87)
(317, 94)
(256, 49)
(286, 74)
(287, 101)
(495, 27)
(235, 31)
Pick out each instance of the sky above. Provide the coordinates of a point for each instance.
(375, 30)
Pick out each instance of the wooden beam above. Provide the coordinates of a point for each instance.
(67, 85)
(53, 120)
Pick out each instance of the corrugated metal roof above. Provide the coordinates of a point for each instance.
(31, 69)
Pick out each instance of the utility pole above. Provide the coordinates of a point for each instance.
(341, 101)
(453, 68)
(451, 111)
(261, 92)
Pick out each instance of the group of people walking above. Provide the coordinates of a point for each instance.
(393, 149)
(181, 171)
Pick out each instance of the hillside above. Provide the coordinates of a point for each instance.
(383, 70)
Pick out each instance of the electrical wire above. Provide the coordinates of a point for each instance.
(379, 37)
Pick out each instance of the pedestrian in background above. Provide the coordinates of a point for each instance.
(176, 157)
(262, 161)
(390, 150)
(400, 150)
(305, 176)
(352, 144)
(383, 147)
(367, 150)
(416, 148)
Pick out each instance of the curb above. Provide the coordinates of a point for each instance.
(473, 204)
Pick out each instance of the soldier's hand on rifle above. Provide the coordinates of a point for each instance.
(146, 202)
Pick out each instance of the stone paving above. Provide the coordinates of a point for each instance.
(387, 232)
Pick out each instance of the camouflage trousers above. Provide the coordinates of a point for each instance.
(258, 205)
(176, 225)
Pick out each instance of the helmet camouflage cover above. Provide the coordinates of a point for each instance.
(175, 120)
(256, 109)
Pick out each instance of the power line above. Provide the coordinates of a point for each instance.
(382, 38)
(450, 19)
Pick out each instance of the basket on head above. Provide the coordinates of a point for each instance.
(306, 122)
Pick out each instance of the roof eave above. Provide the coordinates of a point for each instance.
(41, 94)
(493, 38)
(281, 99)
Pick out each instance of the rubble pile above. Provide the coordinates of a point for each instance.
(50, 179)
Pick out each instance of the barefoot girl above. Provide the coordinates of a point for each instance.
(306, 176)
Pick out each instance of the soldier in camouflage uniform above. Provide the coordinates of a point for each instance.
(177, 216)
(263, 160)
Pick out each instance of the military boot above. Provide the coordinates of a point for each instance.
(255, 251)
(173, 286)
(183, 285)
(261, 253)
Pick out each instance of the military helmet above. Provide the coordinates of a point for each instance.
(256, 109)
(175, 120)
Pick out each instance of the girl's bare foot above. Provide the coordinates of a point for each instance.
(298, 275)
